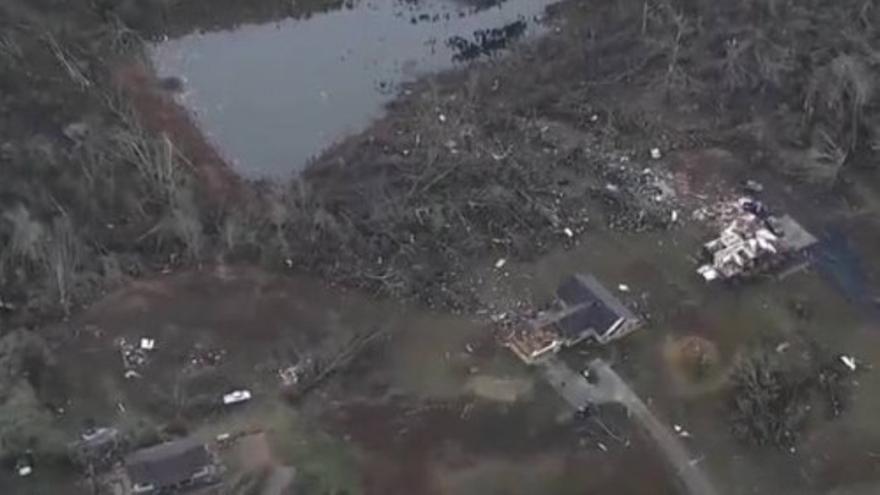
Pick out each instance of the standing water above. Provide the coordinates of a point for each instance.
(273, 96)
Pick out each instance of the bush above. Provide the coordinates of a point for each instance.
(773, 395)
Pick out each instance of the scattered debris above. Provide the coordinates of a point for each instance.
(500, 263)
(656, 154)
(753, 187)
(568, 232)
(24, 466)
(298, 373)
(204, 357)
(498, 317)
(97, 447)
(135, 356)
(849, 362)
(76, 131)
(623, 288)
(755, 242)
(782, 347)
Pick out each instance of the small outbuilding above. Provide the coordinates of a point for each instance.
(171, 467)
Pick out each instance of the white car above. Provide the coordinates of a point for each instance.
(237, 397)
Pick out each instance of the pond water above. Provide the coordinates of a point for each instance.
(272, 96)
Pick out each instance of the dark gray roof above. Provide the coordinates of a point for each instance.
(590, 306)
(588, 317)
(167, 464)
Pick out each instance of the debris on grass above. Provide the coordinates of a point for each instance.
(849, 362)
(237, 397)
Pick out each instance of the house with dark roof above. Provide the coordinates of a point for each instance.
(592, 312)
(171, 467)
(584, 310)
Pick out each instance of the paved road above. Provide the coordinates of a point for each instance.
(610, 387)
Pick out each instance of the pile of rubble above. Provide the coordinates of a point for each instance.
(753, 241)
(135, 355)
(202, 357)
(639, 198)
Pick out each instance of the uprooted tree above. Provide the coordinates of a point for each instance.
(773, 394)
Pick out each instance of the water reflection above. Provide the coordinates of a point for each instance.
(271, 96)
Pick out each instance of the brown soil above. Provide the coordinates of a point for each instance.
(162, 115)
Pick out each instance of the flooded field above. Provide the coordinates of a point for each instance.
(273, 96)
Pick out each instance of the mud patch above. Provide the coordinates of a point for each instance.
(499, 389)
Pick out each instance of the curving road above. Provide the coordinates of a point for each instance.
(609, 388)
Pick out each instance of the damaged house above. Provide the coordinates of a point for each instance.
(755, 242)
(584, 310)
(172, 467)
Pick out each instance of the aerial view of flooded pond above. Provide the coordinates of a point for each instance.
(273, 96)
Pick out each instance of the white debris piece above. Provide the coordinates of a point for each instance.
(612, 188)
(441, 118)
(568, 232)
(223, 437)
(677, 428)
(25, 471)
(708, 273)
(674, 216)
(656, 154)
(500, 263)
(783, 347)
(498, 317)
(623, 288)
(236, 397)
(849, 362)
(603, 447)
(148, 344)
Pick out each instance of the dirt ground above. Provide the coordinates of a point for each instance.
(121, 221)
